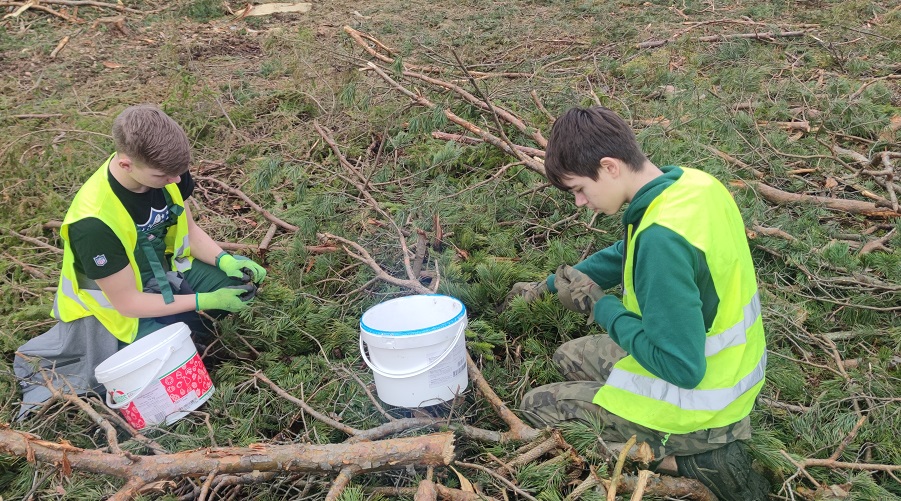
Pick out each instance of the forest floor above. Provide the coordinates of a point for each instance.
(352, 149)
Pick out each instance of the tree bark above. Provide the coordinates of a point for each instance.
(428, 450)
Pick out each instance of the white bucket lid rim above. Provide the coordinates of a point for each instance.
(414, 332)
(105, 374)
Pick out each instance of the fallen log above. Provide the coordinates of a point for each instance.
(427, 450)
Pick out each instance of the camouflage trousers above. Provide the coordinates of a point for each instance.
(586, 363)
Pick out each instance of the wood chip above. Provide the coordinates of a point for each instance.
(62, 43)
(274, 8)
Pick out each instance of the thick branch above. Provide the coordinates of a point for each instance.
(518, 429)
(429, 450)
(780, 197)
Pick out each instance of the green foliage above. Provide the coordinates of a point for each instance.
(247, 92)
(202, 10)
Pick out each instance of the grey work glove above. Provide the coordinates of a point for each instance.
(576, 291)
(227, 298)
(529, 291)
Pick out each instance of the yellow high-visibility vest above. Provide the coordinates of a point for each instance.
(700, 209)
(78, 297)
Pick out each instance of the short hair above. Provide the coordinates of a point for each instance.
(148, 135)
(581, 137)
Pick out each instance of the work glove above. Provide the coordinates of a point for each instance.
(576, 291)
(231, 299)
(240, 267)
(529, 291)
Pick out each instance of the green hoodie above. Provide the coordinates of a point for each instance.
(673, 286)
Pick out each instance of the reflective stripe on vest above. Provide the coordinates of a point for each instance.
(97, 199)
(737, 334)
(700, 209)
(181, 261)
(695, 400)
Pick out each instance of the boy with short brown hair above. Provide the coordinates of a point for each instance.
(684, 355)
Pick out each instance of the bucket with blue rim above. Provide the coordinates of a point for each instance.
(416, 348)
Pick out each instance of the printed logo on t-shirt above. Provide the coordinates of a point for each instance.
(157, 216)
(100, 260)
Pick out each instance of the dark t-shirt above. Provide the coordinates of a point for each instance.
(98, 251)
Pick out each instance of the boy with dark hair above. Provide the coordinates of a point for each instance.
(685, 355)
(134, 260)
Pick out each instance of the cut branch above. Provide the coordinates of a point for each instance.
(780, 197)
(518, 429)
(532, 163)
(719, 38)
(429, 450)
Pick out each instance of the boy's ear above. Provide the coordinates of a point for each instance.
(611, 166)
(125, 162)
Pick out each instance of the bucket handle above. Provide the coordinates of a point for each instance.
(134, 395)
(398, 375)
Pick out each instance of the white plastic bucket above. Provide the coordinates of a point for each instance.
(416, 349)
(158, 378)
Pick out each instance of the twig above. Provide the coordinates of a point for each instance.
(267, 239)
(62, 43)
(363, 255)
(486, 136)
(266, 214)
(34, 241)
(341, 481)
(303, 405)
(773, 232)
(718, 38)
(369, 394)
(37, 115)
(494, 111)
(555, 441)
(205, 488)
(618, 469)
(877, 244)
(734, 161)
(848, 439)
(641, 483)
(459, 138)
(90, 3)
(591, 481)
(515, 488)
(361, 187)
(782, 405)
(541, 107)
(42, 8)
(36, 273)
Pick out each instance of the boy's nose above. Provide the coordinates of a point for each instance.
(580, 200)
(176, 179)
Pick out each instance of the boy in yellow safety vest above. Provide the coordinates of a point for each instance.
(134, 258)
(684, 355)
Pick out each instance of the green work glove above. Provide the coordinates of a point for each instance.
(529, 291)
(226, 298)
(240, 267)
(576, 291)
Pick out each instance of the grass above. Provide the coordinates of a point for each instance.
(248, 91)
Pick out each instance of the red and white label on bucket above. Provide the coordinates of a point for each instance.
(450, 368)
(176, 392)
